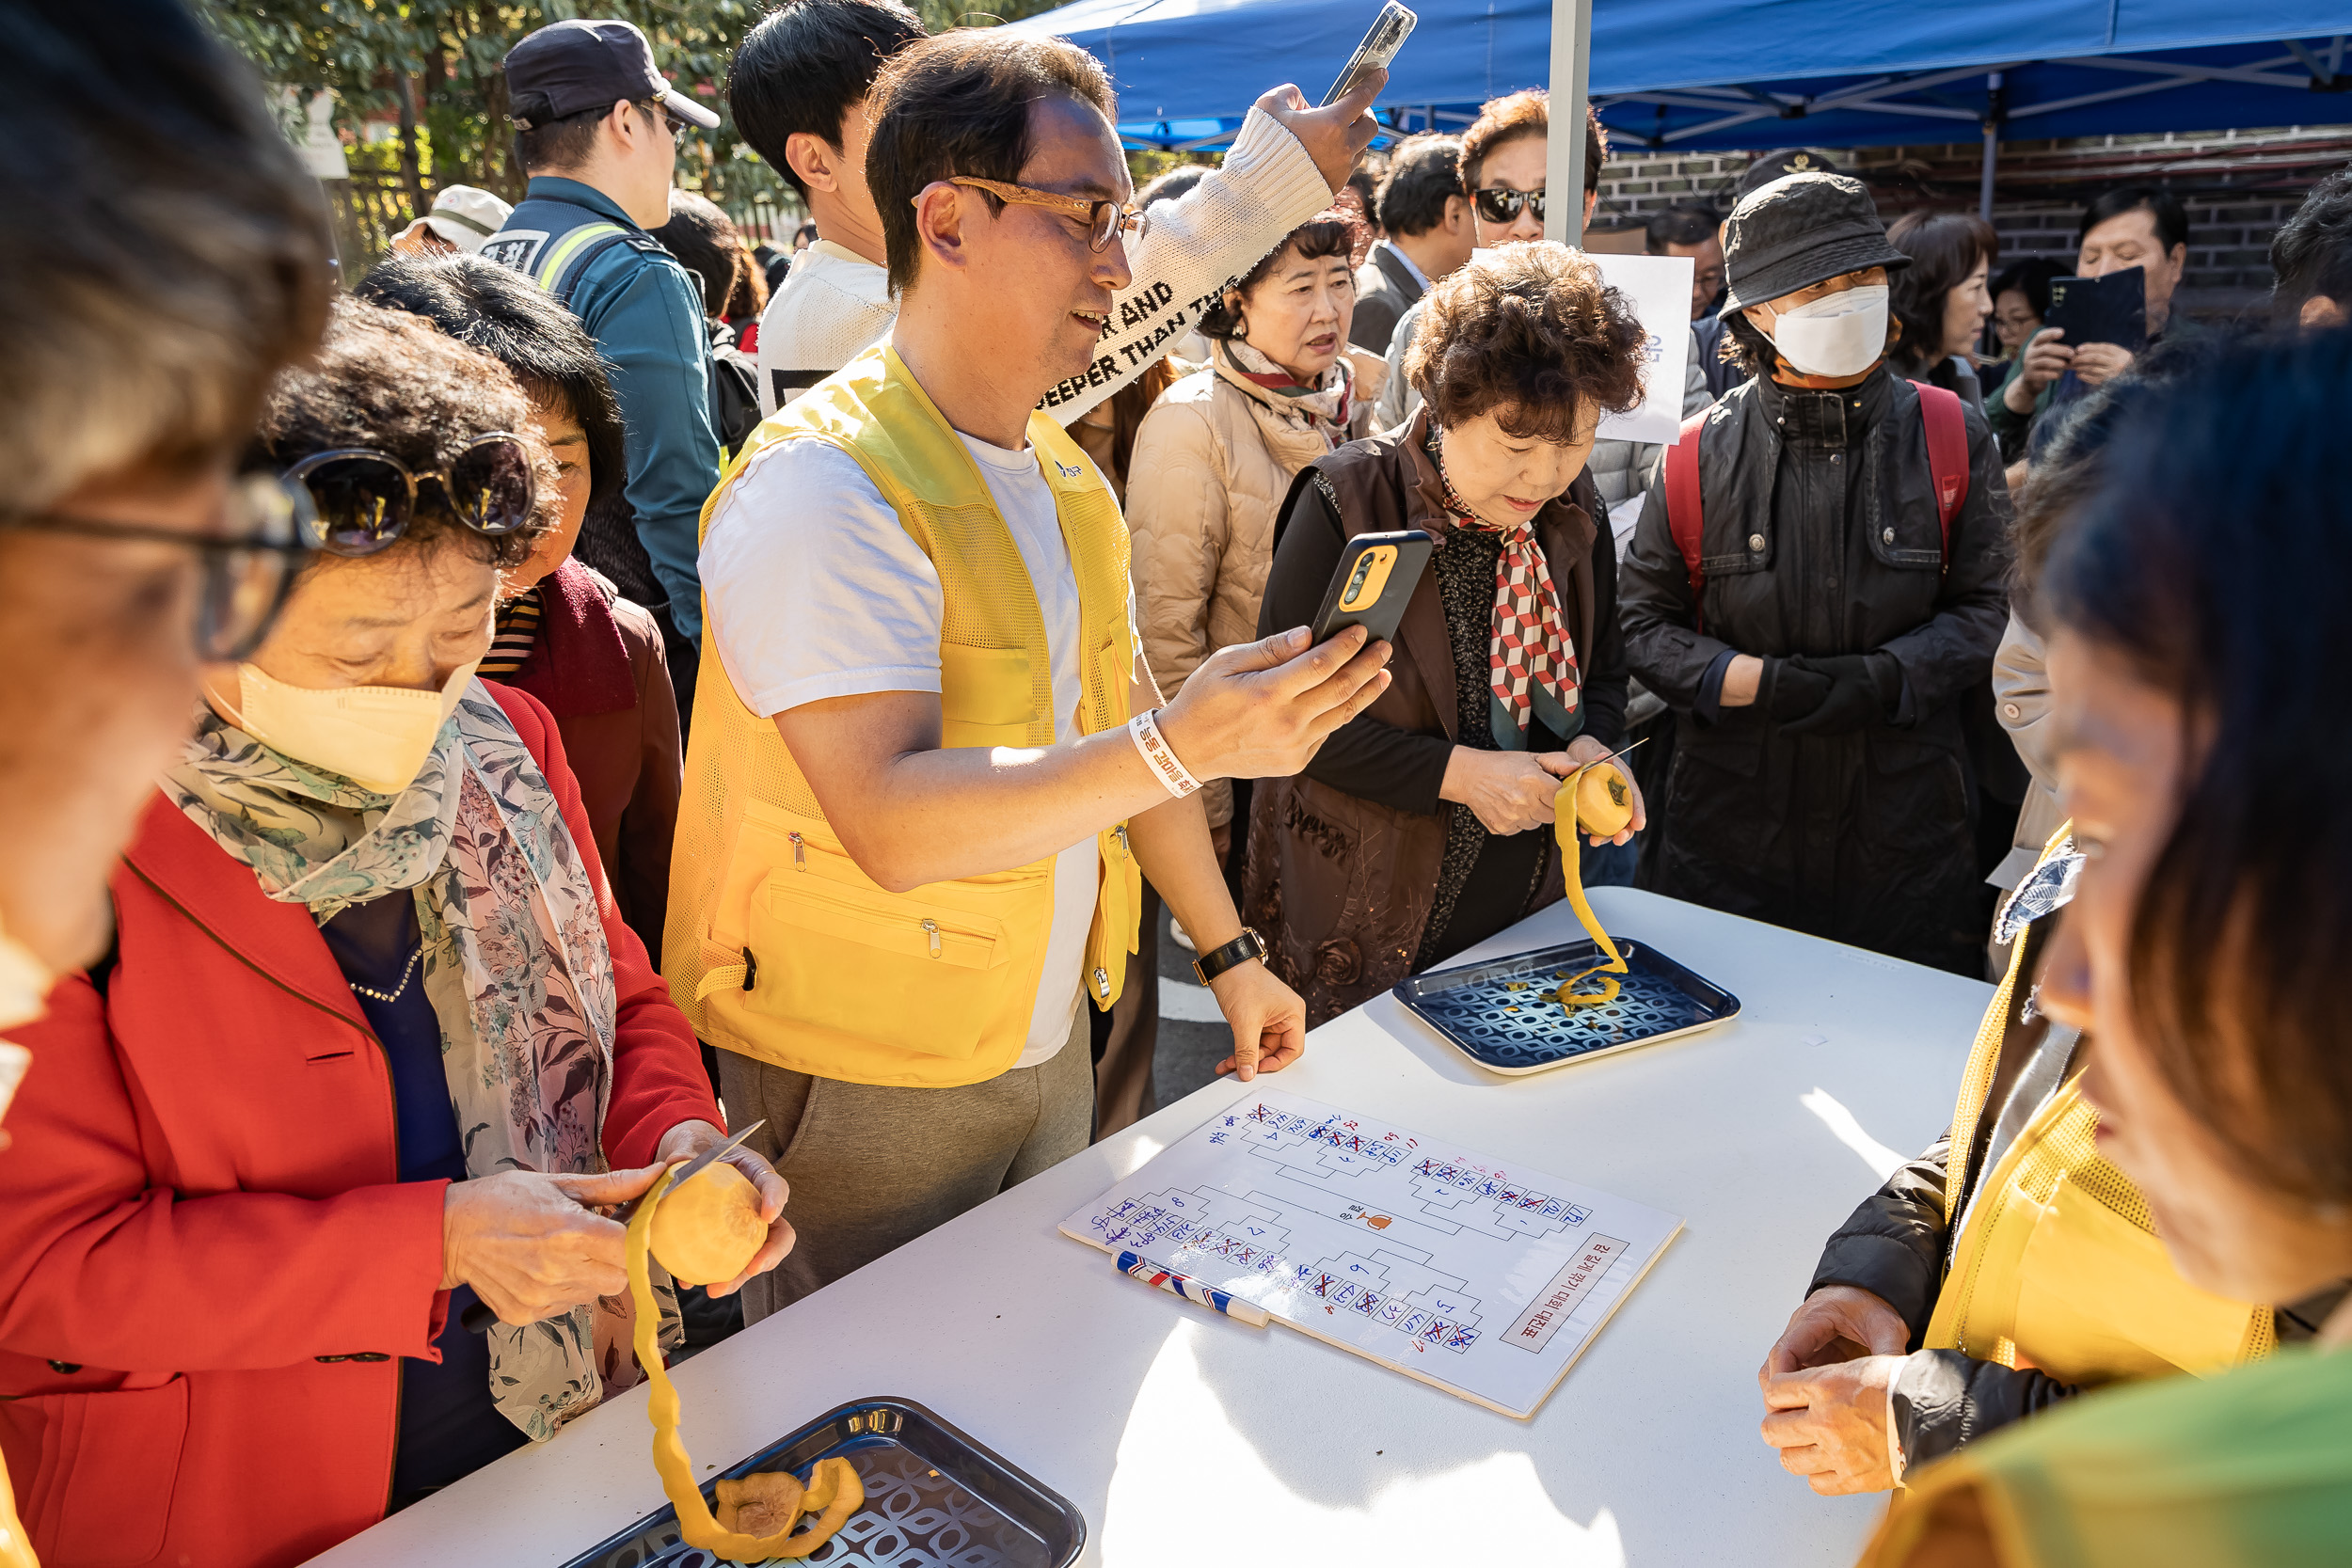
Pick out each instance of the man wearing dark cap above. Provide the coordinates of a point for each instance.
(1813, 588)
(597, 129)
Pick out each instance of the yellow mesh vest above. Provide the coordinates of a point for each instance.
(2059, 1267)
(777, 945)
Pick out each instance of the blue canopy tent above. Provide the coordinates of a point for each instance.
(1740, 73)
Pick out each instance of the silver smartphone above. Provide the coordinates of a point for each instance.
(1389, 30)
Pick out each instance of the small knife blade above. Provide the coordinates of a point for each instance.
(691, 1168)
(1619, 752)
(480, 1315)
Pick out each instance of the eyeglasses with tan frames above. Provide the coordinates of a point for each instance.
(1104, 220)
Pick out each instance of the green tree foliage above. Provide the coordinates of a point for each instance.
(434, 64)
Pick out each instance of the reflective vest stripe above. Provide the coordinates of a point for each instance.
(560, 255)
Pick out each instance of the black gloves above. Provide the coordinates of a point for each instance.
(1856, 692)
(1796, 690)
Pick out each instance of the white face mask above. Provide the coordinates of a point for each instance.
(1840, 334)
(378, 736)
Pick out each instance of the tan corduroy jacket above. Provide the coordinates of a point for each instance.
(1212, 460)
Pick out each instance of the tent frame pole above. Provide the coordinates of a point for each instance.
(1993, 103)
(1564, 148)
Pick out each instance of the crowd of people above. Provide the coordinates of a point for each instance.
(475, 740)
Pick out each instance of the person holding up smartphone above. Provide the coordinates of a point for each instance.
(1423, 825)
(2138, 226)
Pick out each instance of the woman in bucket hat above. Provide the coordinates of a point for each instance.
(1813, 589)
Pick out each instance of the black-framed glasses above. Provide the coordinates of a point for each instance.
(248, 570)
(363, 500)
(1104, 220)
(1501, 203)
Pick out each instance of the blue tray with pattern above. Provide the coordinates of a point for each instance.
(1494, 1013)
(934, 1499)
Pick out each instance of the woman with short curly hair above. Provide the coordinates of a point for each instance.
(1423, 826)
(371, 1041)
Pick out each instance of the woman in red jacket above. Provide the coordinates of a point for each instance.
(372, 1041)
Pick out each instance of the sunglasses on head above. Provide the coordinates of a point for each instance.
(363, 500)
(1501, 203)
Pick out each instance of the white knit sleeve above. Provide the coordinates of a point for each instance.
(1193, 250)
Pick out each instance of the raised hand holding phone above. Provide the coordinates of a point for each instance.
(1336, 132)
(1376, 574)
(1381, 41)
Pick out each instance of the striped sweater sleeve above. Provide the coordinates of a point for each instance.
(1194, 248)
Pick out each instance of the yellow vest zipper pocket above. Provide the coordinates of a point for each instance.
(1118, 918)
(880, 966)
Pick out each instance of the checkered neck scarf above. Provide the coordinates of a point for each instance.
(1531, 659)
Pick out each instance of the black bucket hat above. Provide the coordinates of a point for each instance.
(1800, 230)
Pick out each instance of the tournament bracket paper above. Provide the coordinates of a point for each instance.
(1483, 1278)
(1659, 289)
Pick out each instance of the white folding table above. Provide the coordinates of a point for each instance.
(1184, 1437)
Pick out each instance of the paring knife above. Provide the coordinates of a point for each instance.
(480, 1315)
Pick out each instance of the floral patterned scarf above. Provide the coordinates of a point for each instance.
(514, 965)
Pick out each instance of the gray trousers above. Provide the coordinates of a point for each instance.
(872, 1167)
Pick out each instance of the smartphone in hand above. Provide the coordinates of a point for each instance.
(1387, 34)
(1376, 574)
(2112, 308)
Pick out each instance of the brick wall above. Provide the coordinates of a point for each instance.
(2238, 185)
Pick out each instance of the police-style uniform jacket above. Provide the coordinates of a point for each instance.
(645, 313)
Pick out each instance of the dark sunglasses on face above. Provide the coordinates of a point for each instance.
(363, 500)
(249, 567)
(1501, 203)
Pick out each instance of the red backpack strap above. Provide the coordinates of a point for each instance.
(1684, 515)
(1947, 455)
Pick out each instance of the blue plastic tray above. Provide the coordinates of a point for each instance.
(1494, 1013)
(934, 1499)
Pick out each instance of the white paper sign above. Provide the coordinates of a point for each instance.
(1433, 1261)
(1659, 289)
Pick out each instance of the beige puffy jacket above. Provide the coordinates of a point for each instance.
(1212, 460)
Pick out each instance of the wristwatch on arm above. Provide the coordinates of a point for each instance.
(1242, 948)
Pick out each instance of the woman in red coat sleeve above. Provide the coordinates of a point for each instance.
(372, 1042)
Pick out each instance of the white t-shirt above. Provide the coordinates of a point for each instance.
(818, 591)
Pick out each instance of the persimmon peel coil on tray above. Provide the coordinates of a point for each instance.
(775, 1501)
(1594, 798)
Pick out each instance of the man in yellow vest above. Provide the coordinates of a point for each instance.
(926, 765)
(2005, 1269)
